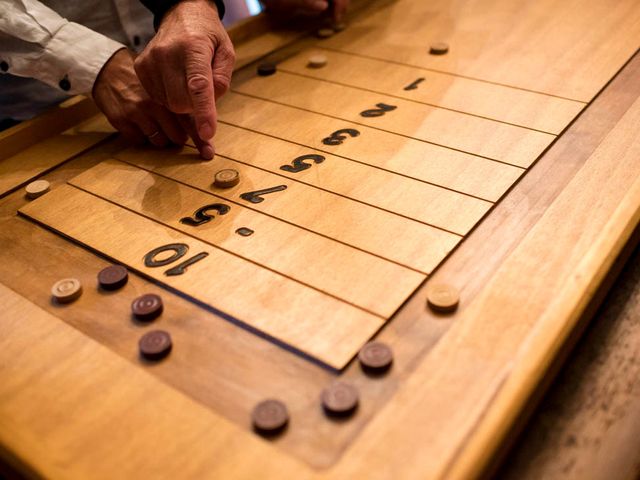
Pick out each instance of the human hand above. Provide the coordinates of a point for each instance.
(310, 7)
(188, 65)
(120, 96)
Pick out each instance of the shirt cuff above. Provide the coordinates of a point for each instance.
(74, 57)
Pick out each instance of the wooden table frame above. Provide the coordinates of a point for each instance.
(576, 209)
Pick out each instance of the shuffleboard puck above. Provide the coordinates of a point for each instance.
(147, 307)
(226, 178)
(375, 357)
(442, 298)
(340, 399)
(267, 68)
(66, 290)
(37, 188)
(438, 48)
(270, 417)
(155, 345)
(317, 61)
(113, 277)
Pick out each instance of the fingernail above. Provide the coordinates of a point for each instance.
(205, 131)
(207, 152)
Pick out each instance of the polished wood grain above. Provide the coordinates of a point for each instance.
(437, 165)
(401, 174)
(572, 250)
(466, 133)
(40, 157)
(588, 425)
(497, 102)
(107, 407)
(53, 122)
(415, 244)
(397, 430)
(273, 304)
(569, 49)
(361, 279)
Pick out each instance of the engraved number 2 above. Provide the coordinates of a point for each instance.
(380, 110)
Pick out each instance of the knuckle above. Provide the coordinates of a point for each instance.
(198, 84)
(222, 83)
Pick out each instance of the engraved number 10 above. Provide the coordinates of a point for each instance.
(179, 250)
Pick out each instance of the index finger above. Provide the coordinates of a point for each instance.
(204, 147)
(199, 79)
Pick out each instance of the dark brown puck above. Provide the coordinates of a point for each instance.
(267, 68)
(375, 357)
(340, 399)
(438, 48)
(113, 277)
(155, 345)
(147, 307)
(270, 417)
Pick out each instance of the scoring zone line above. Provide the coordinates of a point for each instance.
(324, 190)
(200, 239)
(444, 72)
(347, 197)
(433, 105)
(248, 206)
(329, 152)
(237, 92)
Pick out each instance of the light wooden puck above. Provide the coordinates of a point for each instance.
(37, 188)
(227, 178)
(439, 48)
(317, 61)
(442, 298)
(66, 290)
(325, 32)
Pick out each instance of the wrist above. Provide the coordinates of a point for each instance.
(114, 62)
(164, 8)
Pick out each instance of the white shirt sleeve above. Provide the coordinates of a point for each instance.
(36, 42)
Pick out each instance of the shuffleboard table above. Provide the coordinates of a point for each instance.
(406, 225)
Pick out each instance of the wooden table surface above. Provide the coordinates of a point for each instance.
(588, 424)
(511, 173)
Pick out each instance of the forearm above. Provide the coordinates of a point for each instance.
(36, 42)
